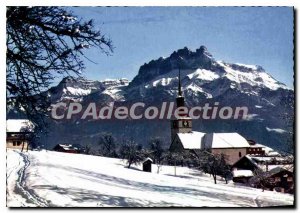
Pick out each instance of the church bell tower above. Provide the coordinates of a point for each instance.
(182, 124)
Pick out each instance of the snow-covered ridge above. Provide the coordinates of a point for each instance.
(76, 88)
(115, 82)
(277, 130)
(203, 74)
(255, 77)
(253, 67)
(77, 91)
(242, 77)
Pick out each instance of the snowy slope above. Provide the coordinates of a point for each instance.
(66, 180)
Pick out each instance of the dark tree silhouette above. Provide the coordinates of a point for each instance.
(108, 145)
(214, 164)
(132, 152)
(261, 179)
(43, 43)
(157, 152)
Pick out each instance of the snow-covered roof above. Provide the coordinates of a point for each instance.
(68, 146)
(225, 140)
(267, 158)
(270, 167)
(280, 168)
(257, 145)
(201, 140)
(148, 159)
(269, 151)
(242, 173)
(181, 117)
(191, 140)
(19, 125)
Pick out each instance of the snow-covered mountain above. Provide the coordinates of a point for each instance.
(202, 74)
(204, 80)
(75, 89)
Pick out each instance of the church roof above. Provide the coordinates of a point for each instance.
(224, 140)
(200, 140)
(191, 140)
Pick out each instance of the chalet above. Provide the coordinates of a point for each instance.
(277, 169)
(262, 163)
(242, 176)
(260, 150)
(280, 179)
(68, 148)
(19, 133)
(255, 149)
(245, 163)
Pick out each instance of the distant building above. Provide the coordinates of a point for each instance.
(68, 148)
(278, 170)
(255, 149)
(262, 163)
(19, 133)
(242, 176)
(280, 179)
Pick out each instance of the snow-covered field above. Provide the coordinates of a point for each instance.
(46, 178)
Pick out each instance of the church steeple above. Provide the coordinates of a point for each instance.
(180, 98)
(182, 123)
(179, 84)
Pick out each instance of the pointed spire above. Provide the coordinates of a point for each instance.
(179, 84)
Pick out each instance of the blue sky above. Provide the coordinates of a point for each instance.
(249, 35)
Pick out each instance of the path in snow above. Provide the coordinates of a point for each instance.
(26, 196)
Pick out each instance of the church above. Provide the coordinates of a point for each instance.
(232, 145)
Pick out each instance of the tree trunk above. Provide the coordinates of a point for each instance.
(215, 178)
(175, 168)
(22, 146)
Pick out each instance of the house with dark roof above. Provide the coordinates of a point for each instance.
(19, 133)
(280, 179)
(68, 148)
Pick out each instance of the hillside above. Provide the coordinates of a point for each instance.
(46, 178)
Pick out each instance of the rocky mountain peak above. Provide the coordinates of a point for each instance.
(183, 58)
